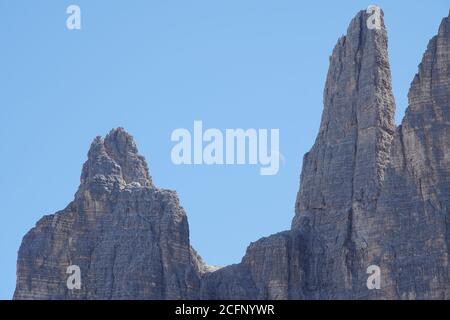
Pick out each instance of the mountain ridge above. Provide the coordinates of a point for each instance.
(371, 193)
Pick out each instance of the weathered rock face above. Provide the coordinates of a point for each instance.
(344, 171)
(370, 194)
(414, 205)
(324, 254)
(130, 239)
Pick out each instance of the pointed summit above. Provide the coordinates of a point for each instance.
(429, 95)
(415, 200)
(115, 161)
(346, 164)
(343, 173)
(129, 239)
(122, 149)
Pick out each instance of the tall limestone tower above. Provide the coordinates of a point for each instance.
(371, 194)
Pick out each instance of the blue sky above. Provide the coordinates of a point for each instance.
(155, 66)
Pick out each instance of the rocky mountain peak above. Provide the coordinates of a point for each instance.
(128, 238)
(356, 128)
(115, 161)
(371, 195)
(429, 96)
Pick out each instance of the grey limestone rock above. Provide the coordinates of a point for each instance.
(370, 193)
(130, 239)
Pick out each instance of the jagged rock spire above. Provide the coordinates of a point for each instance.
(369, 196)
(429, 95)
(115, 161)
(346, 164)
(411, 232)
(129, 240)
(344, 171)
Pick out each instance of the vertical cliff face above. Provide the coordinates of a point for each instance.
(324, 254)
(130, 239)
(414, 205)
(370, 194)
(344, 171)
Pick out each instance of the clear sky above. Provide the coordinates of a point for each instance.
(155, 66)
